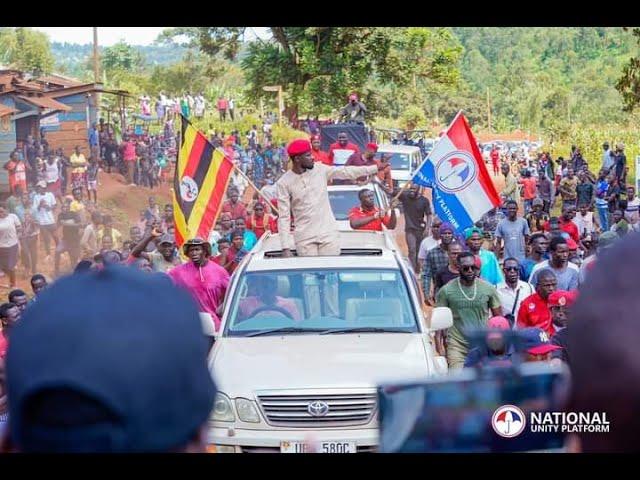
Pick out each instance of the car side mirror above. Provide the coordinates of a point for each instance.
(441, 319)
(208, 325)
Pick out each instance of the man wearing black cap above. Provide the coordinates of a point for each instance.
(164, 258)
(205, 280)
(102, 383)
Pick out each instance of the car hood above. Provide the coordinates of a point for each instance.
(243, 365)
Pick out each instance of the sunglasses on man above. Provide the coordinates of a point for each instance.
(508, 269)
(469, 268)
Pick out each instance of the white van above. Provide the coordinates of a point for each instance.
(404, 161)
(304, 341)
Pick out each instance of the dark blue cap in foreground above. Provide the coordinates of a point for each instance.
(112, 361)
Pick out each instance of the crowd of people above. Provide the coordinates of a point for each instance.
(167, 107)
(522, 263)
(517, 268)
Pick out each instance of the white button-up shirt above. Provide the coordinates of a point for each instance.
(305, 196)
(508, 295)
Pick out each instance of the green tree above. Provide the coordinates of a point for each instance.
(121, 56)
(319, 66)
(26, 49)
(629, 83)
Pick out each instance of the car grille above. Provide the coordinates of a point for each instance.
(291, 410)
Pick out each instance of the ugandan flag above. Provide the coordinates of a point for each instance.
(201, 179)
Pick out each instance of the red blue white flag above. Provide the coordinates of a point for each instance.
(455, 171)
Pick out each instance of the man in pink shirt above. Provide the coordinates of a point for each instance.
(129, 157)
(206, 281)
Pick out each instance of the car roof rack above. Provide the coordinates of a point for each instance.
(343, 251)
(353, 243)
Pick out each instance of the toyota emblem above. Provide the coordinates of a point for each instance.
(318, 408)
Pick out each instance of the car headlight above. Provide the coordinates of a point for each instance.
(247, 411)
(222, 409)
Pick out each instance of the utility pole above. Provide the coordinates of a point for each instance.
(96, 70)
(488, 110)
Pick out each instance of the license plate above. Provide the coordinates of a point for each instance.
(319, 447)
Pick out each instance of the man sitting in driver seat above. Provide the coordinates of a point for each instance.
(266, 302)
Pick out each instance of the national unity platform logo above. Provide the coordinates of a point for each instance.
(508, 421)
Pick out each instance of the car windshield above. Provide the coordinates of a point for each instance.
(343, 201)
(398, 161)
(321, 302)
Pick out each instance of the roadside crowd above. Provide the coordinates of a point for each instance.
(509, 271)
(521, 265)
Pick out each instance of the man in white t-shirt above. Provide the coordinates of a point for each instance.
(52, 175)
(433, 240)
(632, 212)
(232, 107)
(585, 220)
(43, 205)
(513, 290)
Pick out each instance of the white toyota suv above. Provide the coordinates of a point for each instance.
(304, 341)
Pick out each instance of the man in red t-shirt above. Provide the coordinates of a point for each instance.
(369, 217)
(319, 155)
(529, 190)
(260, 221)
(495, 160)
(222, 108)
(534, 310)
(9, 317)
(566, 224)
(340, 151)
(234, 206)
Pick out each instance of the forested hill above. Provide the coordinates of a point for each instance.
(534, 78)
(539, 75)
(73, 58)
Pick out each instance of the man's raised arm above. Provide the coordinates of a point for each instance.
(350, 172)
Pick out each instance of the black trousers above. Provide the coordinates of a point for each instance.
(414, 238)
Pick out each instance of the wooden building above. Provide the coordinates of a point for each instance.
(59, 108)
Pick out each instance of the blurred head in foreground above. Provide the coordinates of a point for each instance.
(111, 376)
(603, 340)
